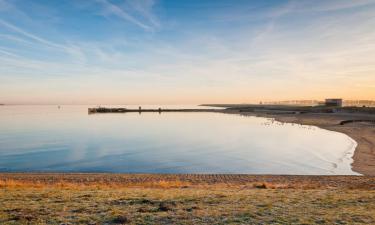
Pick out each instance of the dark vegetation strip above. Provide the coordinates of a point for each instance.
(125, 110)
(356, 121)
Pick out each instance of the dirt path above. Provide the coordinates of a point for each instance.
(189, 180)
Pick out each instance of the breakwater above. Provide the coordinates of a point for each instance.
(140, 110)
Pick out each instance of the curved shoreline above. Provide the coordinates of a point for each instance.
(362, 132)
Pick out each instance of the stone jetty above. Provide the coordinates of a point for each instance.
(140, 110)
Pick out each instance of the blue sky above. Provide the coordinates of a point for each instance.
(185, 52)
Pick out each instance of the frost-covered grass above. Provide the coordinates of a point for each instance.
(180, 203)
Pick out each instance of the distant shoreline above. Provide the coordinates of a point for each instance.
(362, 132)
(120, 198)
(356, 122)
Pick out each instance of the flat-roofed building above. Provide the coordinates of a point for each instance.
(337, 102)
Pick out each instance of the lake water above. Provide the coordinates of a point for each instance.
(45, 138)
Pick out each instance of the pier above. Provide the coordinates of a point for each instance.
(140, 110)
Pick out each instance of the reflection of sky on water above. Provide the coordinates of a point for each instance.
(45, 138)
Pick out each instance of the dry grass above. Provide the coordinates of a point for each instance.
(162, 184)
(191, 205)
(11, 183)
(187, 180)
(185, 199)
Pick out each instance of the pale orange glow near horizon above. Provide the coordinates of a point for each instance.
(241, 53)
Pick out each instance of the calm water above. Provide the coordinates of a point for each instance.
(45, 138)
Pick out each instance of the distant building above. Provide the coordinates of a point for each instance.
(337, 102)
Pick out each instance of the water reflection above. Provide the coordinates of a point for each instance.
(48, 138)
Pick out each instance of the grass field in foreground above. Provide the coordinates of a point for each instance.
(178, 203)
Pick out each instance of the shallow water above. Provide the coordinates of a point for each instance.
(46, 138)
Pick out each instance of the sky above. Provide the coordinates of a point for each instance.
(185, 52)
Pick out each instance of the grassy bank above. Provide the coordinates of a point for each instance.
(56, 205)
(163, 200)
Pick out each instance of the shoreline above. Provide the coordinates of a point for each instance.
(360, 127)
(111, 198)
(361, 132)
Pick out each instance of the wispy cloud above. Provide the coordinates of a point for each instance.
(29, 35)
(332, 5)
(69, 49)
(16, 39)
(145, 9)
(6, 52)
(289, 49)
(110, 9)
